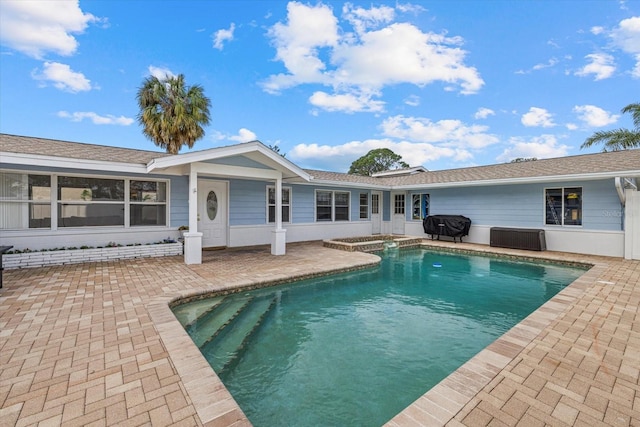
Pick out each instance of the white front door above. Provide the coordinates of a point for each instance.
(376, 212)
(212, 213)
(399, 215)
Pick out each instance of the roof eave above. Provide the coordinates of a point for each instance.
(522, 180)
(222, 152)
(70, 163)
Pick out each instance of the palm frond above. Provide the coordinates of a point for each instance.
(634, 110)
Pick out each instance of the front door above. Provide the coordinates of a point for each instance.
(399, 215)
(212, 213)
(376, 214)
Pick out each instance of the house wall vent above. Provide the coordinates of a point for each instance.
(518, 238)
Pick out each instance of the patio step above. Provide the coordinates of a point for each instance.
(211, 323)
(225, 347)
(189, 313)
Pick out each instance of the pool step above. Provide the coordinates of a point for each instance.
(211, 323)
(226, 346)
(189, 313)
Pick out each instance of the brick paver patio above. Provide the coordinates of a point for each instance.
(96, 344)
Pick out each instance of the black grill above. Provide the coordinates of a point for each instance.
(455, 226)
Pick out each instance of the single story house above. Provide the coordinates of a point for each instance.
(59, 194)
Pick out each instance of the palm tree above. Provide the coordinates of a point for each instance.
(618, 139)
(171, 114)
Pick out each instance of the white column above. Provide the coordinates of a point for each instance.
(279, 235)
(632, 224)
(193, 239)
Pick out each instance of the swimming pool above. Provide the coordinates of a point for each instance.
(358, 348)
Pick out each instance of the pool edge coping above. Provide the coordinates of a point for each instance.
(213, 402)
(215, 405)
(449, 397)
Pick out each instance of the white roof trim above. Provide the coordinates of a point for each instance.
(71, 163)
(406, 171)
(222, 152)
(521, 180)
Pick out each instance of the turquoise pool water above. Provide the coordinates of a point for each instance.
(357, 348)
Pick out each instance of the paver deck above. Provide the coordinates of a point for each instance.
(96, 344)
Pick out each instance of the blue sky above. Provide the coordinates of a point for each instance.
(445, 84)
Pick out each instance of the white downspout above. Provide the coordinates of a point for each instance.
(620, 190)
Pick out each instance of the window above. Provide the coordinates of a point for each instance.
(364, 206)
(420, 206)
(398, 205)
(563, 206)
(375, 203)
(148, 203)
(86, 201)
(25, 201)
(286, 204)
(332, 205)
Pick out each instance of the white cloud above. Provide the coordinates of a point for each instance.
(221, 36)
(160, 73)
(37, 27)
(571, 126)
(537, 117)
(541, 147)
(417, 139)
(362, 19)
(315, 50)
(348, 103)
(550, 63)
(340, 157)
(602, 66)
(412, 100)
(62, 77)
(597, 30)
(483, 113)
(594, 116)
(627, 37)
(244, 135)
(443, 132)
(96, 119)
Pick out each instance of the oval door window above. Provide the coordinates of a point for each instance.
(212, 205)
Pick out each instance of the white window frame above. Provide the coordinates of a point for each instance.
(399, 209)
(564, 210)
(333, 205)
(24, 204)
(366, 206)
(54, 201)
(287, 205)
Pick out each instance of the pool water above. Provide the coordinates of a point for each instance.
(357, 348)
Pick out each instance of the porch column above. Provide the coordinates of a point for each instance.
(279, 235)
(193, 239)
(632, 224)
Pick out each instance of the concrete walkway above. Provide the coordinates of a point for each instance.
(96, 344)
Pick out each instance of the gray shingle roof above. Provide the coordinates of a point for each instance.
(617, 161)
(74, 150)
(598, 163)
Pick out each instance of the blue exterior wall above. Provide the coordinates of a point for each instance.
(519, 205)
(179, 201)
(524, 205)
(386, 206)
(247, 202)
